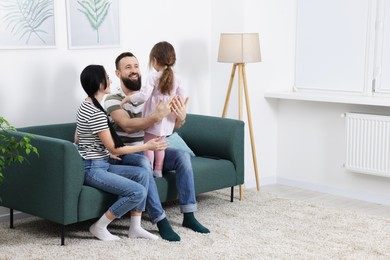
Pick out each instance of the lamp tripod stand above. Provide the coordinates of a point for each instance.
(242, 85)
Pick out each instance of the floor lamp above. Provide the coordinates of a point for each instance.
(240, 48)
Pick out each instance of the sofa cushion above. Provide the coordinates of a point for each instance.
(209, 174)
(175, 141)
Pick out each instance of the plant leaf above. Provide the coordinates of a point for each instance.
(13, 150)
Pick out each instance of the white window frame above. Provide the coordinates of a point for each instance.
(371, 82)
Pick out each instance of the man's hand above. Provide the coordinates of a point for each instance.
(135, 124)
(162, 110)
(178, 107)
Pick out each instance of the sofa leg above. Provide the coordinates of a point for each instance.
(62, 235)
(11, 218)
(231, 193)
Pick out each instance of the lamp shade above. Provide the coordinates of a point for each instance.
(239, 48)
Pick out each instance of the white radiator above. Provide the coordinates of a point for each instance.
(368, 143)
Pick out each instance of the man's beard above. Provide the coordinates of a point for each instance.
(132, 85)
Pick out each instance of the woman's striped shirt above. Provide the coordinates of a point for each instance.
(90, 121)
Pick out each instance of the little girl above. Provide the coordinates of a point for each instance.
(163, 85)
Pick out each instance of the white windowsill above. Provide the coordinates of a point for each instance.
(333, 98)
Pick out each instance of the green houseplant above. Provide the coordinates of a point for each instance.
(13, 150)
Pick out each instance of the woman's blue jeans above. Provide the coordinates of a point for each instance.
(131, 186)
(177, 160)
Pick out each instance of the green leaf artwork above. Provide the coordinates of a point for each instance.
(24, 18)
(96, 12)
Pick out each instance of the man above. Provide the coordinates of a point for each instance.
(129, 124)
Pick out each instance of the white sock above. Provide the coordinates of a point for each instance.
(157, 174)
(136, 231)
(99, 229)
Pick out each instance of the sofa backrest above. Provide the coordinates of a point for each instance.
(62, 131)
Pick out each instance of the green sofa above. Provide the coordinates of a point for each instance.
(51, 186)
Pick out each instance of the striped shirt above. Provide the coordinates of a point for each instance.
(112, 103)
(90, 121)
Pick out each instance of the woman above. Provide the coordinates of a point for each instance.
(96, 141)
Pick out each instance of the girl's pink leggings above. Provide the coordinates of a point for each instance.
(154, 156)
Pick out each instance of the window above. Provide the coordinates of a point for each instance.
(343, 46)
(382, 54)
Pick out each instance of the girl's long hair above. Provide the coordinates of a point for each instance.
(91, 78)
(164, 54)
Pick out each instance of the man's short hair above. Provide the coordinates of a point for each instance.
(121, 56)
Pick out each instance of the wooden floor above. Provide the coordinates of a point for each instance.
(328, 199)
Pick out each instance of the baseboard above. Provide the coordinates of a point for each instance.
(17, 215)
(263, 182)
(348, 193)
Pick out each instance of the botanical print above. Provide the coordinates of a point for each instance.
(93, 23)
(96, 12)
(27, 23)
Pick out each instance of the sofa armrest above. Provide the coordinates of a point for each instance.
(47, 186)
(216, 137)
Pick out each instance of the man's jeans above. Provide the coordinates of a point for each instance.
(177, 160)
(131, 186)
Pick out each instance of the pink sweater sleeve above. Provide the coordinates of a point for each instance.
(144, 92)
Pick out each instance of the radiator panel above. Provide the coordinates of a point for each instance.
(368, 143)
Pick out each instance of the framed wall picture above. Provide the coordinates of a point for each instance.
(93, 23)
(26, 24)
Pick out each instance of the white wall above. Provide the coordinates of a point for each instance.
(311, 151)
(275, 23)
(42, 86)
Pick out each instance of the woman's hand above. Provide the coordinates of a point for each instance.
(157, 144)
(115, 157)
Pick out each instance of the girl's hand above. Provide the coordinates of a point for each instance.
(157, 144)
(125, 101)
(163, 109)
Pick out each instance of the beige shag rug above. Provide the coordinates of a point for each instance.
(263, 226)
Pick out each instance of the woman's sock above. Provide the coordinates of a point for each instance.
(99, 229)
(136, 231)
(166, 231)
(190, 221)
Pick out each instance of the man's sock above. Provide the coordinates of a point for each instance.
(166, 231)
(190, 221)
(99, 229)
(136, 231)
